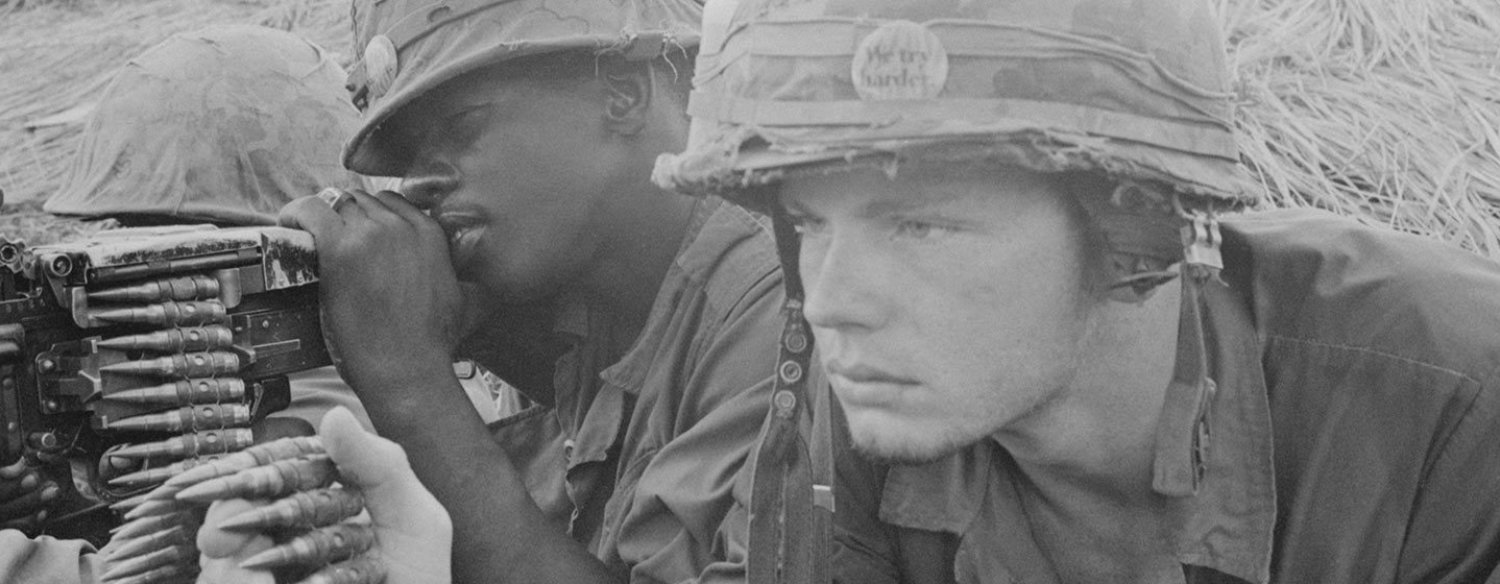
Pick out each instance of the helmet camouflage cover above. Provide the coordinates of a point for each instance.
(1132, 89)
(412, 46)
(224, 124)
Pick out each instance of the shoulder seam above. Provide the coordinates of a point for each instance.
(1370, 351)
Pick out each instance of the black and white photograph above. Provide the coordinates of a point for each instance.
(750, 291)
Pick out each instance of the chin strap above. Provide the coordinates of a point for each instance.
(791, 500)
(1145, 229)
(1182, 434)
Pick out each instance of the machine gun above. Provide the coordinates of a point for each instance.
(147, 349)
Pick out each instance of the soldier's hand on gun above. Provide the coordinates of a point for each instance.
(24, 495)
(408, 534)
(391, 302)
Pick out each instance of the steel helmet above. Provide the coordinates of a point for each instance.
(1130, 88)
(412, 46)
(225, 124)
(1133, 93)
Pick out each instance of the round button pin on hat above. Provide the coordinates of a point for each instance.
(381, 65)
(900, 60)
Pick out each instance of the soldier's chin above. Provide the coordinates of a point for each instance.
(895, 442)
(467, 274)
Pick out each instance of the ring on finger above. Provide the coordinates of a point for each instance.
(333, 197)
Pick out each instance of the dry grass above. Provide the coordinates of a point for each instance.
(1388, 110)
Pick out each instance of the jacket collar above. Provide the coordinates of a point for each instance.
(1227, 526)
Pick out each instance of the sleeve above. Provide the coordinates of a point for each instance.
(316, 391)
(688, 518)
(864, 548)
(1454, 534)
(45, 560)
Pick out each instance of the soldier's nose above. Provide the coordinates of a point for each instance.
(427, 189)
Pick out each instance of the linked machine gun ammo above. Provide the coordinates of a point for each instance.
(137, 354)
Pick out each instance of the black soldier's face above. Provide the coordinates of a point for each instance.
(515, 171)
(946, 306)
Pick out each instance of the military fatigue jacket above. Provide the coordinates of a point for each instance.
(1354, 436)
(640, 457)
(47, 560)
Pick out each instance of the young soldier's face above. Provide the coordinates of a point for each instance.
(511, 169)
(946, 305)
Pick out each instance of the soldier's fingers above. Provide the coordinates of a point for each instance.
(27, 504)
(277, 427)
(11, 489)
(333, 197)
(351, 205)
(365, 569)
(222, 551)
(400, 206)
(426, 226)
(26, 524)
(14, 470)
(374, 208)
(415, 532)
(367, 461)
(310, 214)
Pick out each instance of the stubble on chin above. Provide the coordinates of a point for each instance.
(894, 441)
(914, 447)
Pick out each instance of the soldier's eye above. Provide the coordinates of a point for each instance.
(467, 123)
(922, 230)
(805, 225)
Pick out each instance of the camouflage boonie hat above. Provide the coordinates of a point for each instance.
(1128, 88)
(412, 46)
(224, 124)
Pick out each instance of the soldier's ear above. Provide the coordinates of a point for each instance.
(628, 89)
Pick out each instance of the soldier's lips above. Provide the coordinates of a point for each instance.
(862, 385)
(464, 233)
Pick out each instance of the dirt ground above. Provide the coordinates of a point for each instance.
(56, 56)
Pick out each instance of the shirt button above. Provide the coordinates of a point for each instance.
(785, 402)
